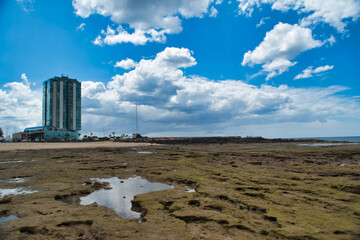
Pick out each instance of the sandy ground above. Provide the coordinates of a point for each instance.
(63, 145)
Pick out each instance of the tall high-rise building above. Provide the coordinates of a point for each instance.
(62, 103)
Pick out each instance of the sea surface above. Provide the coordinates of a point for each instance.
(355, 139)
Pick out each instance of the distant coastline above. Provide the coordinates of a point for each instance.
(333, 139)
(233, 139)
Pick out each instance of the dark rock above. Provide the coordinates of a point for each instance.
(5, 199)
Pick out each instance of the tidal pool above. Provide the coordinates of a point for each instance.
(144, 152)
(16, 180)
(17, 161)
(5, 219)
(123, 191)
(190, 190)
(15, 191)
(12, 162)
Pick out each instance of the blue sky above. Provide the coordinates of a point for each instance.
(273, 68)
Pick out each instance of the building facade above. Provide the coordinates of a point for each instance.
(62, 103)
(46, 133)
(61, 112)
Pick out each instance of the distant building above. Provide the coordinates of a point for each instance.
(19, 136)
(61, 112)
(62, 103)
(48, 133)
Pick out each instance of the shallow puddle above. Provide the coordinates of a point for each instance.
(15, 180)
(123, 191)
(18, 161)
(15, 191)
(12, 162)
(144, 152)
(5, 219)
(190, 190)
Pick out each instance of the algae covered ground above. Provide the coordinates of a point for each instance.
(243, 191)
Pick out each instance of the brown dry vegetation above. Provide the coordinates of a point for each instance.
(243, 191)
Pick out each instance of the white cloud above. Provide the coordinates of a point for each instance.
(138, 37)
(149, 20)
(81, 27)
(213, 12)
(335, 13)
(25, 79)
(170, 102)
(331, 40)
(153, 78)
(98, 41)
(262, 22)
(27, 5)
(247, 6)
(280, 45)
(126, 64)
(308, 72)
(277, 67)
(20, 105)
(92, 89)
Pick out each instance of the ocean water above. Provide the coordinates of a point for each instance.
(355, 139)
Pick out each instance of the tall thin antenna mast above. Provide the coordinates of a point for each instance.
(137, 125)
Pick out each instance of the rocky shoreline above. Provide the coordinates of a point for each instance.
(212, 140)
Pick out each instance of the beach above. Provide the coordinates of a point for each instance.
(65, 145)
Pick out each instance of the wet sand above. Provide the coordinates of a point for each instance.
(66, 145)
